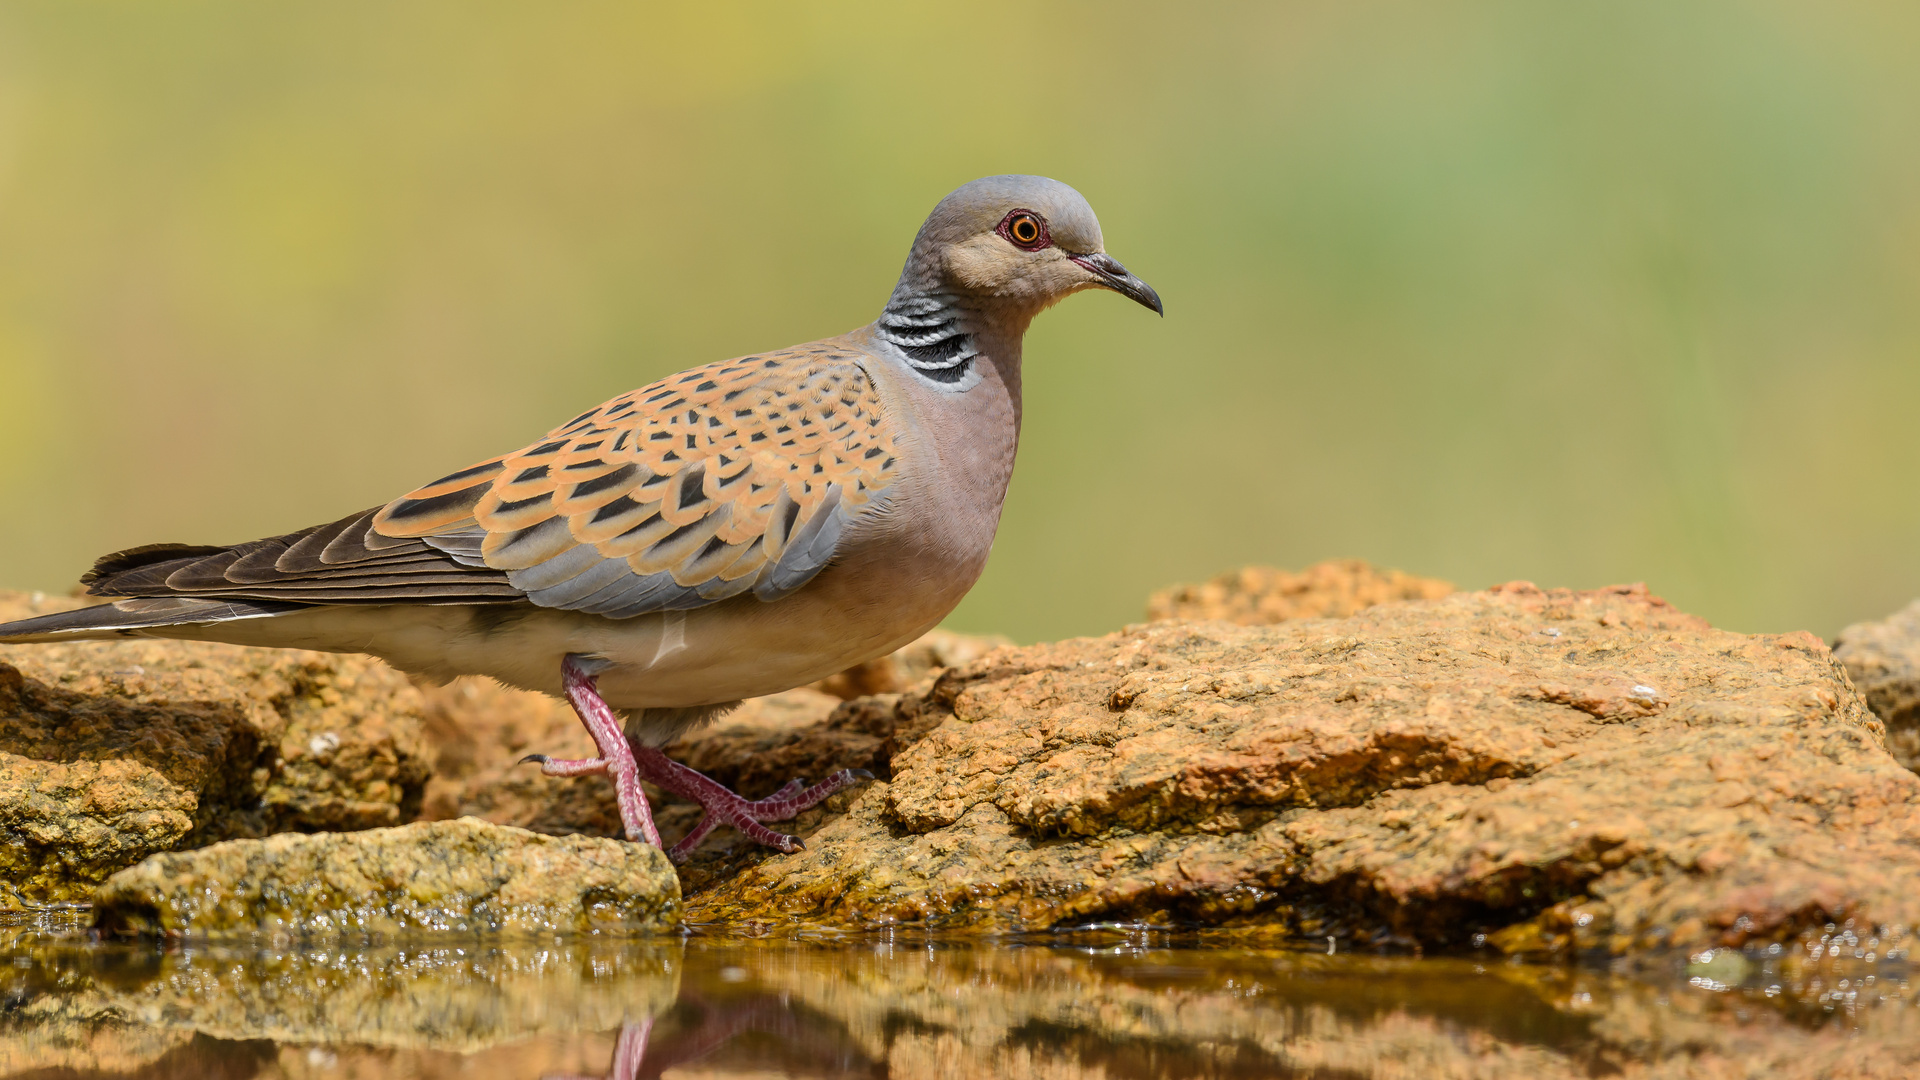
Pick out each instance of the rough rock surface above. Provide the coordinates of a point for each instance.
(111, 751)
(465, 876)
(1261, 595)
(1552, 769)
(1883, 659)
(477, 730)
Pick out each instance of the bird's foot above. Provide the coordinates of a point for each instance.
(616, 756)
(724, 807)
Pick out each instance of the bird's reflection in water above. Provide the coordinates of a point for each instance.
(752, 1033)
(629, 1053)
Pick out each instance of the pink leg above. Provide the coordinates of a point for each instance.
(616, 757)
(726, 808)
(629, 1050)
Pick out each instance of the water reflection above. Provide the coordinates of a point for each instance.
(1102, 1006)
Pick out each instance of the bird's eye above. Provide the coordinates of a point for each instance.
(1024, 229)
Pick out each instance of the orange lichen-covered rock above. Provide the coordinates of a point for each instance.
(1259, 595)
(1614, 773)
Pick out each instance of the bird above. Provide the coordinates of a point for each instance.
(734, 530)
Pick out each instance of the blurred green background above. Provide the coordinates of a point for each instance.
(1578, 293)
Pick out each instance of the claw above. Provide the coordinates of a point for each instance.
(724, 807)
(536, 759)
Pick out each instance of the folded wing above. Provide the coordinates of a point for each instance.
(735, 477)
(739, 476)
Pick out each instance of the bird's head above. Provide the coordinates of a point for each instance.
(1022, 242)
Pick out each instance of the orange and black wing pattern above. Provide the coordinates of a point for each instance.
(734, 477)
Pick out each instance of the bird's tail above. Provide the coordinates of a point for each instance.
(130, 617)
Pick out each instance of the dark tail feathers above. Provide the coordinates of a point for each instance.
(126, 618)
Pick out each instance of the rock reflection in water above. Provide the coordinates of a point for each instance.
(1103, 1006)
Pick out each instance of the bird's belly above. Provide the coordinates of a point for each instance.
(735, 649)
(738, 648)
(744, 648)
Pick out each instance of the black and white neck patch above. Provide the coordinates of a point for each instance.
(930, 333)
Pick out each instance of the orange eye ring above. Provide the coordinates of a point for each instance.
(1025, 229)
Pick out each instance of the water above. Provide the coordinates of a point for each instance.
(1097, 1004)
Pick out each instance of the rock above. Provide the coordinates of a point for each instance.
(113, 750)
(756, 759)
(1261, 595)
(478, 730)
(1883, 659)
(465, 876)
(1545, 770)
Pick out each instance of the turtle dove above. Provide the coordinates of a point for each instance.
(730, 531)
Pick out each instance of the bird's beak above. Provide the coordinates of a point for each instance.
(1114, 276)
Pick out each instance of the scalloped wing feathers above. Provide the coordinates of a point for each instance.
(737, 476)
(734, 477)
(342, 562)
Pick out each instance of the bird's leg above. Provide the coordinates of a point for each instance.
(629, 1051)
(616, 756)
(723, 807)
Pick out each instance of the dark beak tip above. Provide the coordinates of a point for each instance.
(1117, 277)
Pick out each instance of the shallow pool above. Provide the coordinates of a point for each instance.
(1105, 1003)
